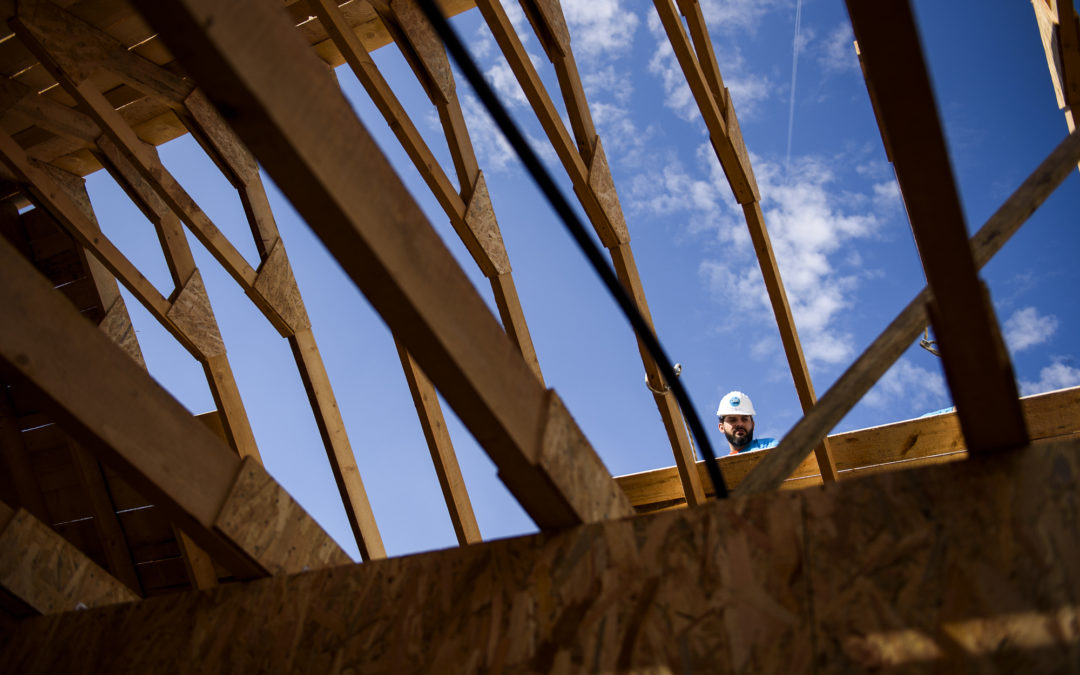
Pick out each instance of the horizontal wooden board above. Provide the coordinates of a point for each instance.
(1050, 415)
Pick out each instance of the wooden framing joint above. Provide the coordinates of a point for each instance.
(565, 456)
(745, 188)
(262, 519)
(603, 187)
(427, 51)
(45, 571)
(480, 218)
(117, 325)
(548, 22)
(239, 166)
(191, 312)
(278, 290)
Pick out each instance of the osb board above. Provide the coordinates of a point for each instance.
(975, 557)
(49, 574)
(261, 518)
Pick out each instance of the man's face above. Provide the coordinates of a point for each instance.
(739, 429)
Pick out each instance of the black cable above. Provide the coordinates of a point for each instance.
(577, 230)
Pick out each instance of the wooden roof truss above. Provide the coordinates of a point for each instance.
(110, 482)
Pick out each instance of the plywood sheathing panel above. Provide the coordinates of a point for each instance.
(280, 293)
(284, 538)
(49, 574)
(852, 577)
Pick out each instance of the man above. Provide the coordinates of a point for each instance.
(736, 414)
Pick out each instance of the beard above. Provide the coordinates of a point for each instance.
(739, 442)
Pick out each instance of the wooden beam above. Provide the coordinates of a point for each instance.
(698, 63)
(272, 288)
(889, 447)
(336, 441)
(110, 406)
(442, 451)
(50, 575)
(280, 98)
(105, 521)
(902, 572)
(21, 485)
(587, 166)
(976, 363)
(861, 375)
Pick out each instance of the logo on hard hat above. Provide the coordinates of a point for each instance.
(735, 401)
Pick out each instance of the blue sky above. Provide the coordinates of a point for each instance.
(832, 207)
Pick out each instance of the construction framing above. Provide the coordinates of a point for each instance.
(111, 492)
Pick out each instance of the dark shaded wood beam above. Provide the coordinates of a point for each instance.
(977, 365)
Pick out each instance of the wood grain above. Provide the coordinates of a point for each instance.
(853, 577)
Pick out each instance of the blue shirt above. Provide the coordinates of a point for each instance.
(760, 444)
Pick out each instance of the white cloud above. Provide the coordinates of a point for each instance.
(838, 50)
(493, 151)
(887, 195)
(811, 232)
(1058, 375)
(747, 90)
(908, 389)
(608, 80)
(677, 94)
(506, 85)
(1027, 328)
(599, 26)
(737, 16)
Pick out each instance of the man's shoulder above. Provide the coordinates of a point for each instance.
(763, 444)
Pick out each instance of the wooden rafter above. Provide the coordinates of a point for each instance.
(698, 63)
(587, 166)
(976, 363)
(383, 241)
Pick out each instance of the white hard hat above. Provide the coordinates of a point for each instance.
(735, 403)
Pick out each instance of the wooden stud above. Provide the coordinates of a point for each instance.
(626, 269)
(336, 441)
(595, 189)
(254, 65)
(105, 521)
(21, 484)
(549, 118)
(789, 334)
(442, 451)
(977, 366)
(740, 176)
(861, 375)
